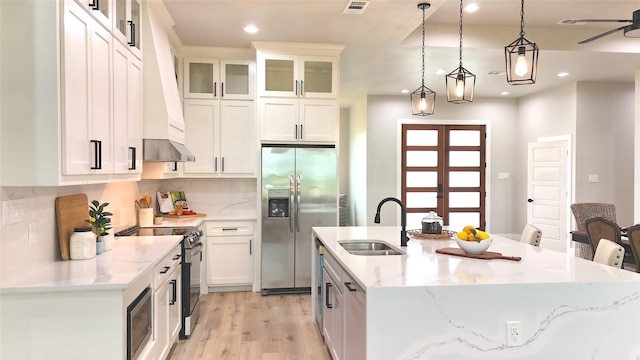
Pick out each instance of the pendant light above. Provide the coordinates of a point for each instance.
(423, 99)
(521, 57)
(460, 82)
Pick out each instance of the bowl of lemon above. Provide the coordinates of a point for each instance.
(473, 241)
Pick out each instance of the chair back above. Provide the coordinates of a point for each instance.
(531, 235)
(609, 253)
(583, 211)
(601, 228)
(634, 241)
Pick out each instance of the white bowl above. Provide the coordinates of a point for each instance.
(474, 247)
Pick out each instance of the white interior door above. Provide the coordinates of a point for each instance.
(547, 192)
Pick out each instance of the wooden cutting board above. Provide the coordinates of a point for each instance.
(71, 212)
(487, 255)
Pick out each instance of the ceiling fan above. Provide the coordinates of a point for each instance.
(632, 30)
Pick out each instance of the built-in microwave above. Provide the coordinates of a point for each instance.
(139, 324)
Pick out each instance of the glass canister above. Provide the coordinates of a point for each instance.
(82, 244)
(432, 223)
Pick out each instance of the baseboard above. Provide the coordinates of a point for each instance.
(213, 289)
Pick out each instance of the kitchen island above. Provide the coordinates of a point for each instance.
(426, 305)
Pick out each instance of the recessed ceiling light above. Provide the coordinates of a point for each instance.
(471, 8)
(440, 72)
(563, 74)
(404, 91)
(504, 93)
(251, 29)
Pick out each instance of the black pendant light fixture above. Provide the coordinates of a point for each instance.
(521, 57)
(460, 82)
(423, 99)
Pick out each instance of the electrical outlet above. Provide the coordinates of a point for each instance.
(514, 333)
(13, 211)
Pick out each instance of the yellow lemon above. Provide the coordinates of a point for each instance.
(462, 235)
(482, 235)
(468, 228)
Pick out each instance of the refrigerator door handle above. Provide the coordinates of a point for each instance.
(291, 199)
(298, 192)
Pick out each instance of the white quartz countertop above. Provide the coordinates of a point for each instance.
(422, 266)
(175, 222)
(117, 268)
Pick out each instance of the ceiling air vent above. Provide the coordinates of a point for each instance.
(355, 7)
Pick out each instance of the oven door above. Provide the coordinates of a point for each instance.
(139, 324)
(192, 279)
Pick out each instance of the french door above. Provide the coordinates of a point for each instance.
(443, 170)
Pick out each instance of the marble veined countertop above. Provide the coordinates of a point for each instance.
(117, 268)
(422, 266)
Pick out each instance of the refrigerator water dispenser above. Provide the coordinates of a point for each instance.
(278, 203)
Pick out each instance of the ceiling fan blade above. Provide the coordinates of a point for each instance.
(600, 20)
(602, 35)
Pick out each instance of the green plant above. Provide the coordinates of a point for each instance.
(98, 218)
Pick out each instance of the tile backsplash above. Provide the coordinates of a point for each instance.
(18, 248)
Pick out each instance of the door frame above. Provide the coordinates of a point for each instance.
(570, 181)
(486, 123)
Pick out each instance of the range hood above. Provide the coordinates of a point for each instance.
(165, 150)
(163, 122)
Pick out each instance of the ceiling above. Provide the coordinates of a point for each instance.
(382, 54)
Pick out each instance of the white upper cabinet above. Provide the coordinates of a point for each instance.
(101, 10)
(126, 24)
(298, 76)
(218, 79)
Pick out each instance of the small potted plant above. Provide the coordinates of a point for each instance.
(100, 221)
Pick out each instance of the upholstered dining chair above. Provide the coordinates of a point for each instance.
(601, 228)
(582, 212)
(634, 242)
(531, 235)
(609, 253)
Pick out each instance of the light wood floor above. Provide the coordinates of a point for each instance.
(247, 326)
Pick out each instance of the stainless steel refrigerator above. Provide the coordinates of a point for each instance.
(299, 191)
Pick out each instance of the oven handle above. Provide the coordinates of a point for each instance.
(190, 253)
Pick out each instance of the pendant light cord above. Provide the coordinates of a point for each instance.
(461, 33)
(522, 18)
(423, 19)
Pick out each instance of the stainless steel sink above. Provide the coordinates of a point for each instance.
(368, 248)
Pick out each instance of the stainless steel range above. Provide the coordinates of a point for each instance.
(191, 268)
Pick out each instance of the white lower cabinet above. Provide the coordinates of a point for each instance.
(345, 313)
(355, 319)
(333, 321)
(166, 303)
(230, 253)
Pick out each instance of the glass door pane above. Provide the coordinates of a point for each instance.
(200, 78)
(279, 75)
(318, 76)
(137, 24)
(236, 79)
(121, 16)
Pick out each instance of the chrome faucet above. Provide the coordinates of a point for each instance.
(403, 218)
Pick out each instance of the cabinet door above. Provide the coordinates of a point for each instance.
(355, 320)
(99, 10)
(237, 138)
(319, 77)
(175, 305)
(318, 120)
(236, 79)
(100, 100)
(76, 131)
(201, 131)
(278, 119)
(201, 78)
(278, 75)
(161, 320)
(127, 111)
(126, 24)
(229, 260)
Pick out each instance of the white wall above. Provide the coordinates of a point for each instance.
(605, 145)
(384, 114)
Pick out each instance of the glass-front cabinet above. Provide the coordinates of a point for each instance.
(127, 25)
(218, 79)
(100, 10)
(299, 76)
